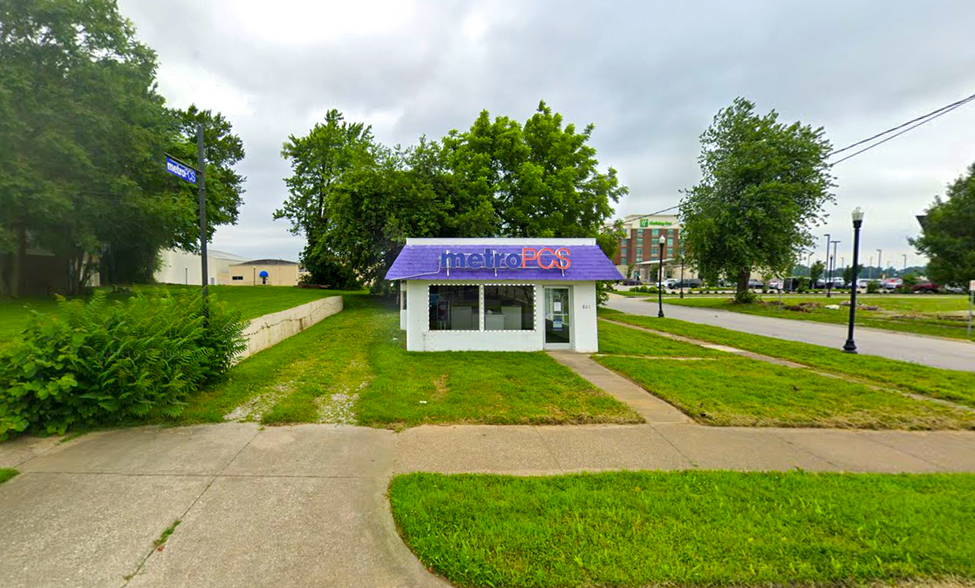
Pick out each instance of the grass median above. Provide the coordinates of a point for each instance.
(940, 316)
(617, 339)
(735, 391)
(696, 528)
(353, 367)
(955, 386)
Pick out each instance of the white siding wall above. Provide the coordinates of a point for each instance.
(419, 337)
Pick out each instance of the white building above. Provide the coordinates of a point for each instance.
(500, 294)
(183, 267)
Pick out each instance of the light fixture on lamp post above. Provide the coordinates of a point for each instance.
(660, 273)
(850, 346)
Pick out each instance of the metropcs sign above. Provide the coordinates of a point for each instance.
(545, 258)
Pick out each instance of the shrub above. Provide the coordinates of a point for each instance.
(745, 297)
(102, 362)
(873, 287)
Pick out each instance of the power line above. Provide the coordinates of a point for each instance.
(919, 120)
(895, 135)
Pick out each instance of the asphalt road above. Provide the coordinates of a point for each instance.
(932, 351)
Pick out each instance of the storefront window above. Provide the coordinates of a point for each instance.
(454, 308)
(509, 308)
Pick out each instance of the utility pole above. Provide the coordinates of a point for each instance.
(880, 256)
(905, 261)
(201, 182)
(826, 269)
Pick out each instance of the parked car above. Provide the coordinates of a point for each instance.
(891, 283)
(755, 284)
(689, 283)
(776, 284)
(925, 288)
(864, 282)
(670, 283)
(631, 282)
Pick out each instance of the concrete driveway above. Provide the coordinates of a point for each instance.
(289, 506)
(931, 351)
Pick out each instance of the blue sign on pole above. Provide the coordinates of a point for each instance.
(180, 170)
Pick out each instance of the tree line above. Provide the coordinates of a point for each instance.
(83, 130)
(356, 200)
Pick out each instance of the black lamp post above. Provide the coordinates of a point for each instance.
(682, 276)
(660, 274)
(850, 346)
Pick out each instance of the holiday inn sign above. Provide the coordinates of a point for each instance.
(645, 222)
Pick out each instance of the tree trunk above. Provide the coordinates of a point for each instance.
(18, 258)
(741, 293)
(744, 274)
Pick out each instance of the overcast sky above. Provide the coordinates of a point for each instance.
(649, 75)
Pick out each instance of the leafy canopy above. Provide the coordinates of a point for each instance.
(764, 183)
(357, 201)
(948, 233)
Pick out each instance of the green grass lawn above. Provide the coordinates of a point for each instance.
(694, 528)
(7, 474)
(952, 385)
(735, 391)
(360, 351)
(255, 301)
(921, 314)
(622, 340)
(252, 302)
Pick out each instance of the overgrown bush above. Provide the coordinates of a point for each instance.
(745, 297)
(105, 362)
(873, 287)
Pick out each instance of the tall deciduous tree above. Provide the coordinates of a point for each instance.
(948, 233)
(83, 132)
(542, 180)
(763, 184)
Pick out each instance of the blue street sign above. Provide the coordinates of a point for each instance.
(182, 171)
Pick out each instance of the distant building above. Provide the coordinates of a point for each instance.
(640, 247)
(265, 272)
(184, 267)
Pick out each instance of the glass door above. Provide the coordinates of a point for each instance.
(557, 316)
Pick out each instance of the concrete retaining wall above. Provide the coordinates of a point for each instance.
(271, 329)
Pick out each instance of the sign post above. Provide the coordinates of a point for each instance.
(196, 176)
(971, 302)
(201, 164)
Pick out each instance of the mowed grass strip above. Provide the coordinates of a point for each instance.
(744, 392)
(7, 474)
(498, 388)
(912, 314)
(362, 350)
(618, 339)
(952, 385)
(694, 528)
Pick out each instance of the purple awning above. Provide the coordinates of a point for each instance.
(423, 262)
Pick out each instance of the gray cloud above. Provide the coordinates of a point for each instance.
(650, 75)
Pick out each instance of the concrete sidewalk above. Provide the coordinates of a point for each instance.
(288, 506)
(932, 351)
(305, 505)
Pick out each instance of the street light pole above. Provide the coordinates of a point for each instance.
(826, 268)
(832, 271)
(850, 346)
(660, 273)
(880, 256)
(905, 261)
(682, 276)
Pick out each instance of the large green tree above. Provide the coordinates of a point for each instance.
(357, 202)
(542, 179)
(764, 184)
(83, 132)
(948, 233)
